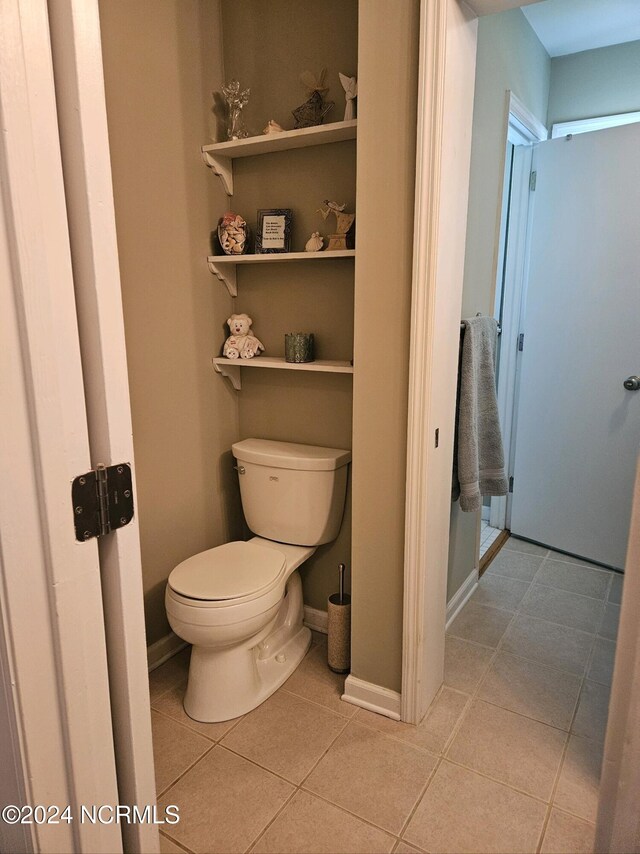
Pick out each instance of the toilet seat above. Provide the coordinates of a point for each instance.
(231, 572)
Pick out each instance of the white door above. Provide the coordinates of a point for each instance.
(72, 640)
(578, 427)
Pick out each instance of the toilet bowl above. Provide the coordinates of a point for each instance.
(240, 604)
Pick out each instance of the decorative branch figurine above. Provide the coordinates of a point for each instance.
(236, 101)
(344, 221)
(313, 111)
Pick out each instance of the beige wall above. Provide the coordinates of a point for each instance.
(510, 56)
(592, 83)
(266, 47)
(387, 74)
(162, 58)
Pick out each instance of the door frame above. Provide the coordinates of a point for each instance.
(520, 125)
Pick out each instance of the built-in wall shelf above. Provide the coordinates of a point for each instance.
(231, 368)
(224, 266)
(220, 155)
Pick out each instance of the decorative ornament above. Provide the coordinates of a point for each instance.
(236, 101)
(313, 111)
(344, 221)
(350, 86)
(232, 234)
(314, 243)
(273, 127)
(241, 344)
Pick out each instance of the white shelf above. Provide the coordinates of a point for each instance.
(224, 266)
(220, 155)
(231, 368)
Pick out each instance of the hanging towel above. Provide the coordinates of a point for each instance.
(478, 467)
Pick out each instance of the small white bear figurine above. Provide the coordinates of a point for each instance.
(241, 344)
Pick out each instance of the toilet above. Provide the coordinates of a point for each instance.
(240, 604)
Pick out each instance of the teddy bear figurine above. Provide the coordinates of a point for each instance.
(241, 344)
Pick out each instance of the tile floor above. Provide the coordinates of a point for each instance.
(488, 536)
(506, 760)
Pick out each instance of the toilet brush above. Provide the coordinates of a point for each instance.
(339, 628)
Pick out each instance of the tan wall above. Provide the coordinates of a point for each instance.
(266, 47)
(387, 73)
(510, 56)
(161, 61)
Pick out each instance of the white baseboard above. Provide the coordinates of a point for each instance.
(461, 596)
(163, 649)
(375, 698)
(316, 620)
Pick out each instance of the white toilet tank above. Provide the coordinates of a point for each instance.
(292, 493)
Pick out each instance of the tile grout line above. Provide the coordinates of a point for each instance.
(175, 842)
(268, 825)
(423, 792)
(166, 789)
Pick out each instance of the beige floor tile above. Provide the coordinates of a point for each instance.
(225, 802)
(308, 825)
(313, 680)
(464, 812)
(574, 577)
(513, 564)
(175, 749)
(498, 591)
(319, 639)
(480, 624)
(515, 544)
(173, 672)
(615, 591)
(571, 559)
(602, 661)
(465, 664)
(579, 780)
(593, 710)
(531, 689)
(512, 749)
(548, 643)
(375, 777)
(566, 834)
(286, 735)
(562, 606)
(609, 626)
(435, 729)
(404, 848)
(168, 847)
(170, 704)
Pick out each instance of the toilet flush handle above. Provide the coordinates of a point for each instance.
(240, 469)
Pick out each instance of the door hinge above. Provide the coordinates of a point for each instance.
(511, 483)
(102, 501)
(521, 342)
(533, 177)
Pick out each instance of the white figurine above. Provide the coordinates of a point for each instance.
(273, 127)
(350, 86)
(314, 243)
(241, 344)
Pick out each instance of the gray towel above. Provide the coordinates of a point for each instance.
(478, 467)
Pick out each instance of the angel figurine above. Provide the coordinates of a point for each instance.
(350, 86)
(344, 221)
(236, 101)
(314, 109)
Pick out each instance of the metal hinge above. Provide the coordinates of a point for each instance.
(102, 501)
(521, 342)
(533, 177)
(511, 483)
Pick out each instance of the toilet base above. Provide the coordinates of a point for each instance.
(226, 683)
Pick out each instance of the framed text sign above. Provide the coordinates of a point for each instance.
(273, 233)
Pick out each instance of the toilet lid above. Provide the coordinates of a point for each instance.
(230, 571)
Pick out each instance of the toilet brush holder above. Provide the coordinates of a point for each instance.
(339, 629)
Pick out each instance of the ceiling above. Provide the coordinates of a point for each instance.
(570, 26)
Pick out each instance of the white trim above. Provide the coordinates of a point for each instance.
(372, 697)
(448, 37)
(523, 119)
(316, 620)
(598, 123)
(462, 596)
(164, 649)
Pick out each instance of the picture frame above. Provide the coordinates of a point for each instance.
(273, 233)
